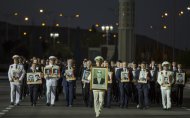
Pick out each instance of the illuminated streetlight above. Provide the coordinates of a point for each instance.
(77, 15)
(61, 14)
(41, 10)
(97, 25)
(90, 30)
(54, 36)
(107, 29)
(24, 33)
(57, 25)
(181, 13)
(26, 18)
(43, 24)
(165, 27)
(166, 14)
(188, 8)
(16, 14)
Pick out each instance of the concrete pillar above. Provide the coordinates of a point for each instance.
(126, 45)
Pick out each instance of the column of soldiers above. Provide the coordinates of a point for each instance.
(144, 84)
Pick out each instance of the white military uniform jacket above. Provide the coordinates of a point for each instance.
(16, 71)
(161, 77)
(49, 80)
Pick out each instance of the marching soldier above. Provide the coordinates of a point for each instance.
(135, 75)
(108, 93)
(33, 88)
(51, 83)
(180, 83)
(98, 94)
(81, 72)
(124, 84)
(87, 93)
(16, 74)
(174, 87)
(153, 80)
(69, 81)
(143, 87)
(166, 79)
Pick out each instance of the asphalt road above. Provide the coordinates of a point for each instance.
(80, 111)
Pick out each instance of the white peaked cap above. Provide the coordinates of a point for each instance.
(52, 57)
(15, 56)
(165, 63)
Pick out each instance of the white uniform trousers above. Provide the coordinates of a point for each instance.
(15, 90)
(98, 101)
(166, 98)
(51, 90)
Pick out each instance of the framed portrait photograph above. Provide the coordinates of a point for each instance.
(124, 77)
(142, 77)
(15, 74)
(56, 72)
(110, 77)
(69, 75)
(166, 81)
(85, 76)
(180, 78)
(47, 72)
(99, 79)
(34, 78)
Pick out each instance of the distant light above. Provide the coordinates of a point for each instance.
(61, 14)
(117, 24)
(151, 27)
(181, 13)
(90, 30)
(165, 14)
(114, 35)
(97, 25)
(43, 24)
(16, 14)
(54, 35)
(77, 15)
(57, 25)
(188, 8)
(26, 18)
(41, 10)
(165, 27)
(24, 33)
(103, 35)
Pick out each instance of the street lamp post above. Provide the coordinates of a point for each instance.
(54, 36)
(107, 29)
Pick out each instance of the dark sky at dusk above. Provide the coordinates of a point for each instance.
(148, 13)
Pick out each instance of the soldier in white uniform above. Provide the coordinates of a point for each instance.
(98, 94)
(51, 84)
(166, 79)
(16, 74)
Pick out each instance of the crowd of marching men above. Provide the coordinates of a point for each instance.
(154, 90)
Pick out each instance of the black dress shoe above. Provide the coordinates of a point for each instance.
(31, 104)
(17, 104)
(47, 104)
(164, 108)
(12, 103)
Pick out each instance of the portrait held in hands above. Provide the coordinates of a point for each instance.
(143, 77)
(180, 78)
(34, 78)
(99, 78)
